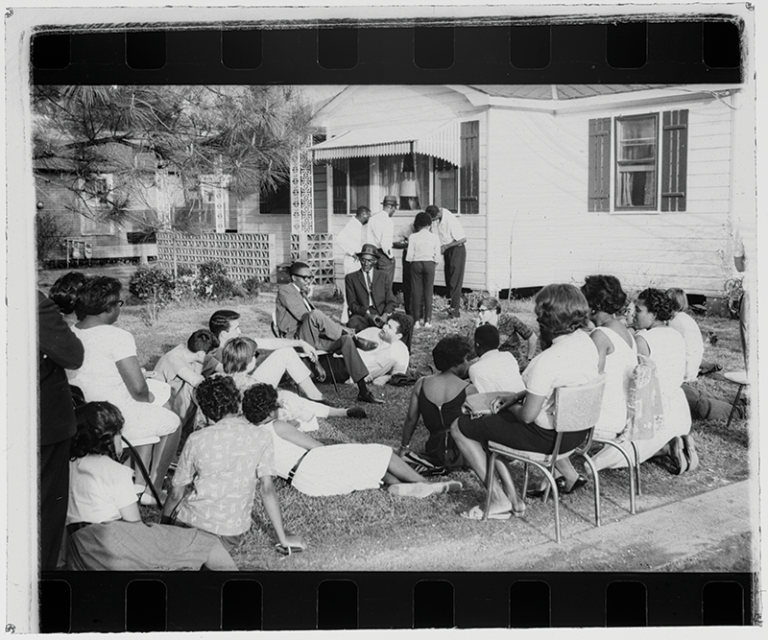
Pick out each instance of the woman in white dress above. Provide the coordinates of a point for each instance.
(666, 348)
(319, 470)
(111, 373)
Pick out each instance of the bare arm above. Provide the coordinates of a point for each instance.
(642, 346)
(529, 409)
(174, 498)
(412, 417)
(604, 348)
(130, 513)
(292, 434)
(533, 342)
(272, 507)
(189, 376)
(130, 372)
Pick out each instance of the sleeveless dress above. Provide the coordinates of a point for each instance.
(440, 447)
(619, 366)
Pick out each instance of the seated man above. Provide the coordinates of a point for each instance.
(225, 325)
(369, 293)
(495, 370)
(391, 354)
(181, 368)
(297, 318)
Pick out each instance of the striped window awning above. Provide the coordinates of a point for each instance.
(441, 140)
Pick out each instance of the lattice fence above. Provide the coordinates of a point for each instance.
(316, 249)
(245, 255)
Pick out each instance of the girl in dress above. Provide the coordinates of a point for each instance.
(666, 347)
(319, 470)
(103, 521)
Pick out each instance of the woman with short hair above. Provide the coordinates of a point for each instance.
(517, 337)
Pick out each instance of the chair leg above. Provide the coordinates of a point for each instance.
(630, 468)
(556, 497)
(490, 476)
(333, 376)
(733, 408)
(637, 469)
(525, 481)
(596, 490)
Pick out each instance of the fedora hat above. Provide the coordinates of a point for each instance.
(368, 250)
(389, 200)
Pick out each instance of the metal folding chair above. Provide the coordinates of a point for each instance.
(576, 409)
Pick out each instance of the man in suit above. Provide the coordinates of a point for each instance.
(369, 293)
(297, 318)
(59, 349)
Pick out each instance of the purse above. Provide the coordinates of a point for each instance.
(645, 409)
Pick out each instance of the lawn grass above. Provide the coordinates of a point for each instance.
(375, 531)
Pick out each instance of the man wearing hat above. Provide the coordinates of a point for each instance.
(369, 293)
(381, 230)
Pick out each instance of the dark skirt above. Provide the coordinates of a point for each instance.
(505, 429)
(134, 546)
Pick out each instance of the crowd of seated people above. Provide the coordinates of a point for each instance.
(243, 428)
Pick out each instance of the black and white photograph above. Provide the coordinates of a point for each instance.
(381, 327)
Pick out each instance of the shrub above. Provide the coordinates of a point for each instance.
(151, 284)
(49, 232)
(213, 282)
(252, 286)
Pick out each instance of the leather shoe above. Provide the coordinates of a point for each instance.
(364, 345)
(356, 412)
(562, 487)
(369, 397)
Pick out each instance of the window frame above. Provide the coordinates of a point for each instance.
(616, 163)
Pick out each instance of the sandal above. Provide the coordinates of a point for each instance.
(678, 456)
(562, 487)
(476, 513)
(287, 550)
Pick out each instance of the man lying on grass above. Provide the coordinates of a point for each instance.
(319, 470)
(214, 483)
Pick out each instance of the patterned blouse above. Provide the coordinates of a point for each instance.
(222, 462)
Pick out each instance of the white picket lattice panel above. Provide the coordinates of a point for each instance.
(316, 249)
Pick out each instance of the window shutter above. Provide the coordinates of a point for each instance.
(469, 172)
(599, 164)
(674, 160)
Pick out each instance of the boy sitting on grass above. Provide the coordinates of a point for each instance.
(216, 476)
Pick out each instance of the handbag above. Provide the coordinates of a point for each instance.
(645, 409)
(480, 404)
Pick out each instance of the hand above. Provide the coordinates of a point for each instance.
(443, 248)
(503, 402)
(310, 351)
(378, 321)
(151, 397)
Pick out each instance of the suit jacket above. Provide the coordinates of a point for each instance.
(357, 293)
(59, 348)
(290, 310)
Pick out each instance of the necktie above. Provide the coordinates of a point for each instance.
(370, 288)
(307, 303)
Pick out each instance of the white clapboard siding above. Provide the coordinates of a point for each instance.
(539, 227)
(378, 105)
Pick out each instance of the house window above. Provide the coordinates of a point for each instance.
(636, 162)
(276, 200)
(446, 185)
(644, 178)
(407, 178)
(96, 191)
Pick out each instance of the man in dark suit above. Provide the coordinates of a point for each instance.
(297, 318)
(59, 349)
(369, 293)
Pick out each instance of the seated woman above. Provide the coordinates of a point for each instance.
(238, 358)
(438, 399)
(64, 293)
(523, 420)
(666, 348)
(516, 336)
(103, 521)
(111, 373)
(215, 480)
(687, 327)
(616, 346)
(318, 470)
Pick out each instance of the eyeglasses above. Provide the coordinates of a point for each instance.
(368, 260)
(481, 309)
(310, 278)
(120, 303)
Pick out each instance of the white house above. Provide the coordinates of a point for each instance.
(553, 182)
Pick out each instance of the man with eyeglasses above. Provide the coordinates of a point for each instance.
(297, 318)
(369, 293)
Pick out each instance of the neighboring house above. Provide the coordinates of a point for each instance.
(553, 182)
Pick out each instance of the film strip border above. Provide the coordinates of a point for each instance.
(301, 601)
(643, 49)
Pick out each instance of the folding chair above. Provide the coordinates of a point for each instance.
(740, 378)
(576, 409)
(320, 352)
(633, 466)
